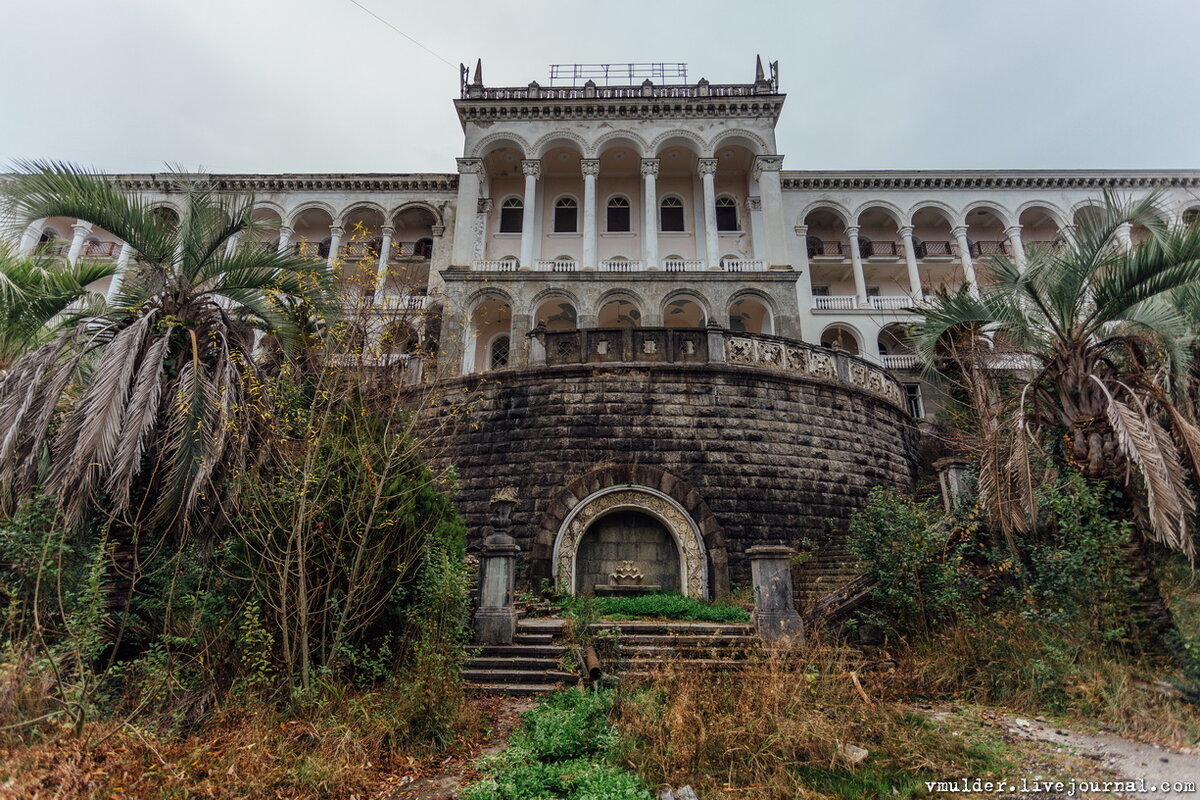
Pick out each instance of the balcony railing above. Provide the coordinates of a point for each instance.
(620, 265)
(989, 248)
(819, 248)
(611, 92)
(556, 265)
(497, 265)
(406, 302)
(744, 265)
(361, 250)
(411, 251)
(877, 249)
(101, 249)
(934, 249)
(834, 303)
(903, 361)
(890, 302)
(683, 265)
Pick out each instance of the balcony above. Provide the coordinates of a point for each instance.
(835, 303)
(933, 249)
(983, 249)
(890, 302)
(556, 265)
(822, 249)
(684, 265)
(101, 250)
(878, 249)
(902, 361)
(497, 265)
(620, 265)
(850, 303)
(743, 265)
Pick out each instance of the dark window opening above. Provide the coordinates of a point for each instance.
(512, 211)
(671, 215)
(727, 219)
(499, 357)
(618, 215)
(566, 216)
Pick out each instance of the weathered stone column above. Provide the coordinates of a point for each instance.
(537, 345)
(964, 257)
(496, 619)
(532, 169)
(1125, 236)
(463, 252)
(29, 240)
(716, 343)
(775, 616)
(712, 246)
(910, 261)
(335, 241)
(650, 223)
(770, 190)
(1014, 241)
(285, 239)
(860, 277)
(385, 255)
(123, 259)
(82, 229)
(590, 168)
(950, 476)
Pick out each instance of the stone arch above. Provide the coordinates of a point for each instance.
(170, 205)
(1003, 214)
(553, 291)
(686, 294)
(641, 481)
(616, 139)
(757, 144)
(488, 293)
(855, 333)
(313, 205)
(628, 295)
(1055, 212)
(543, 145)
(362, 204)
(837, 208)
(421, 204)
(662, 139)
(952, 216)
(494, 141)
(267, 205)
(890, 208)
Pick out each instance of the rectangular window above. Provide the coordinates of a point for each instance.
(912, 393)
(618, 215)
(872, 291)
(821, 291)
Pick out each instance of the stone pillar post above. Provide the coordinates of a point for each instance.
(437, 261)
(775, 616)
(1014, 242)
(910, 261)
(712, 247)
(532, 169)
(770, 190)
(964, 256)
(591, 168)
(950, 476)
(1125, 236)
(537, 345)
(29, 239)
(285, 238)
(123, 259)
(336, 232)
(650, 224)
(716, 343)
(82, 229)
(496, 619)
(463, 252)
(385, 255)
(860, 277)
(231, 244)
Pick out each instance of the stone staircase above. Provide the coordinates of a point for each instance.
(830, 568)
(530, 665)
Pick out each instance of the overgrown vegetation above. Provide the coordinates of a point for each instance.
(664, 605)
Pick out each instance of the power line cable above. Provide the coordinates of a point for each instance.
(402, 33)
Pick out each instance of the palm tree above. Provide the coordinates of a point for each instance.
(159, 388)
(1102, 355)
(35, 292)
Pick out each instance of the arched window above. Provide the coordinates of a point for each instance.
(323, 247)
(423, 248)
(727, 219)
(47, 239)
(512, 211)
(671, 215)
(566, 215)
(498, 358)
(618, 215)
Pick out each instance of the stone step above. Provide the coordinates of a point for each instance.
(645, 664)
(668, 627)
(686, 640)
(551, 625)
(690, 653)
(533, 638)
(518, 676)
(522, 650)
(514, 689)
(513, 662)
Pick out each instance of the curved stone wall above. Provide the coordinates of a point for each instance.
(751, 455)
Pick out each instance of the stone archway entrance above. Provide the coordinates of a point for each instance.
(594, 533)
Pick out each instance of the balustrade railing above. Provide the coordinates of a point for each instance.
(900, 361)
(744, 265)
(834, 303)
(877, 249)
(839, 249)
(683, 265)
(989, 248)
(890, 302)
(610, 92)
(620, 265)
(934, 249)
(497, 265)
(556, 265)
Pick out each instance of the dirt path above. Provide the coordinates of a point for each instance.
(455, 772)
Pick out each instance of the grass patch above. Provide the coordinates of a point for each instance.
(564, 749)
(660, 606)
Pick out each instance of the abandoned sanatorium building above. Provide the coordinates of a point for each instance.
(673, 347)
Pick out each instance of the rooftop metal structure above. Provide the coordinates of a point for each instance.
(617, 74)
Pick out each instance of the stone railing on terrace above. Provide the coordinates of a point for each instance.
(711, 345)
(647, 90)
(620, 265)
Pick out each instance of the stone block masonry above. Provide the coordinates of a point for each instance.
(753, 456)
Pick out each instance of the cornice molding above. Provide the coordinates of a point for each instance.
(991, 179)
(757, 107)
(413, 182)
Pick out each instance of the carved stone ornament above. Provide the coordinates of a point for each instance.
(649, 166)
(694, 577)
(707, 166)
(531, 167)
(590, 166)
(627, 574)
(468, 166)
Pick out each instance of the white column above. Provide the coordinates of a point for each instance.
(285, 238)
(123, 259)
(532, 169)
(82, 229)
(231, 244)
(964, 256)
(1013, 234)
(463, 251)
(335, 241)
(766, 171)
(29, 240)
(910, 261)
(1125, 236)
(860, 278)
(712, 247)
(591, 168)
(650, 204)
(437, 261)
(385, 253)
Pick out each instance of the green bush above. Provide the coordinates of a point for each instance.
(662, 606)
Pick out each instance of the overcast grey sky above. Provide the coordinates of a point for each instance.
(321, 86)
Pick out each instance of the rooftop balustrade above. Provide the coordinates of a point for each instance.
(711, 346)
